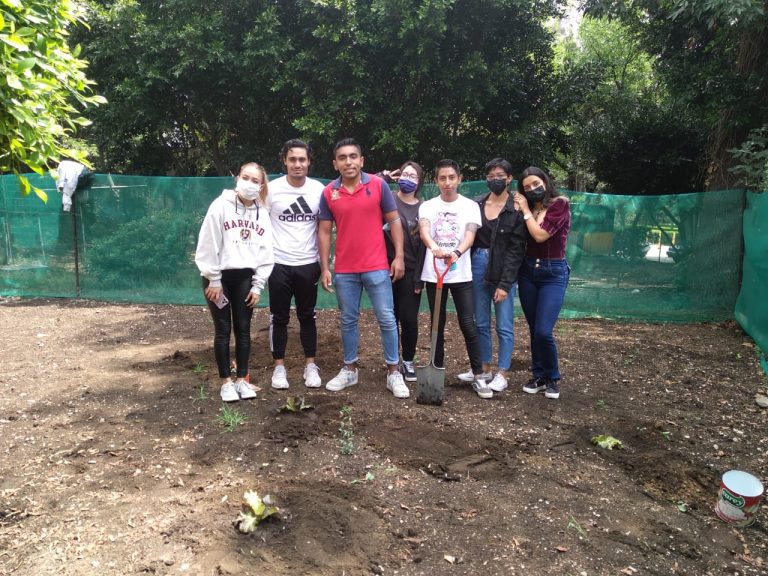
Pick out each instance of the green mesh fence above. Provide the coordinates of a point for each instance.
(660, 258)
(751, 305)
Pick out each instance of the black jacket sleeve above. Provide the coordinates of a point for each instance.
(513, 256)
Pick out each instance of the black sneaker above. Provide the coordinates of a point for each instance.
(553, 389)
(535, 385)
(409, 372)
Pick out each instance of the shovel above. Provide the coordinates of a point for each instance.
(430, 378)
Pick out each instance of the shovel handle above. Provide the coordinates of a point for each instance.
(440, 276)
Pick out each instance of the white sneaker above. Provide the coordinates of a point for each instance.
(469, 376)
(279, 378)
(244, 389)
(344, 379)
(481, 387)
(229, 392)
(312, 376)
(396, 385)
(498, 384)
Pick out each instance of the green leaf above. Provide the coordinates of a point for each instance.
(15, 41)
(26, 64)
(25, 186)
(254, 510)
(13, 4)
(13, 82)
(606, 441)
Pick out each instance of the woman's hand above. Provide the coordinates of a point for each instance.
(213, 294)
(500, 295)
(522, 203)
(252, 299)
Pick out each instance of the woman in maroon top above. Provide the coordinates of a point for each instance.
(543, 277)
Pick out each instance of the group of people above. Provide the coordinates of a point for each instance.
(392, 245)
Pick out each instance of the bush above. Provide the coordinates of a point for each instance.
(156, 248)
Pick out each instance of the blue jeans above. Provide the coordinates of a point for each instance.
(542, 291)
(349, 291)
(482, 292)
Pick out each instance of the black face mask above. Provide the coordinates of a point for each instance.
(535, 195)
(497, 186)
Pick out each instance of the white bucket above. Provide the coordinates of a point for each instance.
(739, 498)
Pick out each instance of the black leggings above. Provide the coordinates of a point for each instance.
(465, 310)
(236, 285)
(407, 304)
(285, 283)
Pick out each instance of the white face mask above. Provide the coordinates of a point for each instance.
(248, 190)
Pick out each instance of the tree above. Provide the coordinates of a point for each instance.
(43, 90)
(198, 87)
(624, 133)
(713, 57)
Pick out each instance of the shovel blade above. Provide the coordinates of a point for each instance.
(431, 384)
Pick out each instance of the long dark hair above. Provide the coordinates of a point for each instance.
(419, 173)
(550, 192)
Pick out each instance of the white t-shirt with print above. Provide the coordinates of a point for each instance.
(448, 224)
(293, 212)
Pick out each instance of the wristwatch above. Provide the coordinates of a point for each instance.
(527, 216)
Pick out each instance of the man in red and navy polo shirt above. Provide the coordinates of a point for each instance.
(359, 204)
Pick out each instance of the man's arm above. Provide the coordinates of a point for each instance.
(324, 229)
(397, 269)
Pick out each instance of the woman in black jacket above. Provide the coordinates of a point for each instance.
(497, 253)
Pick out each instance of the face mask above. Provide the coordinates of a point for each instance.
(248, 190)
(535, 195)
(497, 186)
(407, 186)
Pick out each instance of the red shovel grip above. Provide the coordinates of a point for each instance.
(440, 277)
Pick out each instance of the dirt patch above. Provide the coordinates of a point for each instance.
(113, 461)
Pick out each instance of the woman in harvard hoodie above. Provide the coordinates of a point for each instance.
(235, 257)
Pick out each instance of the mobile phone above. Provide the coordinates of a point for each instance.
(221, 301)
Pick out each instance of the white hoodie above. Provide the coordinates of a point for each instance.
(235, 236)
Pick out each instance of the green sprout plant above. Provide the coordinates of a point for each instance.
(369, 477)
(199, 368)
(231, 418)
(346, 431)
(607, 442)
(254, 510)
(201, 395)
(602, 404)
(666, 435)
(573, 524)
(295, 404)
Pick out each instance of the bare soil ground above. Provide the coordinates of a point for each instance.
(113, 462)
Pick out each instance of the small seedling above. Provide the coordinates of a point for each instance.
(295, 404)
(254, 510)
(666, 435)
(602, 404)
(682, 506)
(606, 441)
(630, 357)
(231, 418)
(574, 525)
(346, 432)
(369, 477)
(201, 395)
(199, 368)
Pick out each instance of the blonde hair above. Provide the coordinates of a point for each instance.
(264, 194)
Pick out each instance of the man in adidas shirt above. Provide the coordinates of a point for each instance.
(294, 202)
